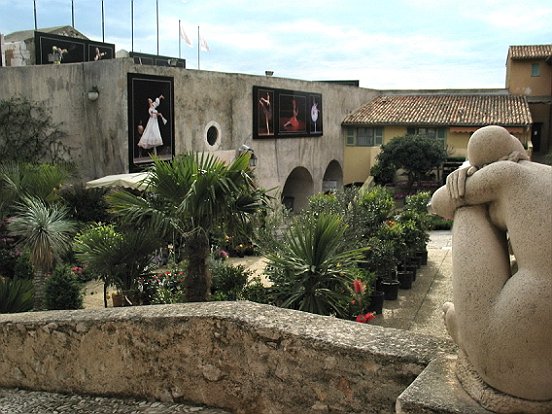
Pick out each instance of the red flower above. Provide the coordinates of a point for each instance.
(366, 318)
(358, 286)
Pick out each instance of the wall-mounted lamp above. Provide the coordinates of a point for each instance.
(269, 72)
(252, 157)
(93, 93)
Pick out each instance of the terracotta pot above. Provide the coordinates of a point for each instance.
(117, 299)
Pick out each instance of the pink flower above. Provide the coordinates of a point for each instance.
(358, 286)
(366, 318)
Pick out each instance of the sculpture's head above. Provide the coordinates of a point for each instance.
(494, 143)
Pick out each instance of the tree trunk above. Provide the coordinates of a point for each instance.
(40, 279)
(198, 278)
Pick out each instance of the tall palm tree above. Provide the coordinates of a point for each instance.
(190, 198)
(46, 232)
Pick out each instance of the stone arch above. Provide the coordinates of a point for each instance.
(333, 177)
(298, 188)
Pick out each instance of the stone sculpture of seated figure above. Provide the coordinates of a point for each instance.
(501, 318)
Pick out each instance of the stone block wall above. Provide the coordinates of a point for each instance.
(241, 356)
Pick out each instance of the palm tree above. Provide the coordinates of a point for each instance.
(189, 199)
(118, 258)
(32, 180)
(314, 266)
(46, 232)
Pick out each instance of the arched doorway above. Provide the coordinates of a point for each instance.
(298, 188)
(333, 177)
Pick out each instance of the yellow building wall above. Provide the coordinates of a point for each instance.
(457, 143)
(357, 161)
(520, 82)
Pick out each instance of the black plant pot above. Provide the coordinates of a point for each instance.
(409, 267)
(422, 257)
(390, 289)
(376, 302)
(405, 279)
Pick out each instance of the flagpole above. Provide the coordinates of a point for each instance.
(198, 47)
(179, 39)
(103, 23)
(132, 25)
(34, 8)
(72, 14)
(157, 14)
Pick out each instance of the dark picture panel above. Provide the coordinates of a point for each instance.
(315, 114)
(98, 51)
(292, 114)
(55, 49)
(279, 113)
(151, 119)
(265, 112)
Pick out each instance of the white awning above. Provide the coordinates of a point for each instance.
(137, 181)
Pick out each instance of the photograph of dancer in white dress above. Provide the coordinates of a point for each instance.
(151, 119)
(151, 137)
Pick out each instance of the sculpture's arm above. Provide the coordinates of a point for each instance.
(472, 186)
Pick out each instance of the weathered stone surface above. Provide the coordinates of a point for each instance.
(241, 356)
(437, 391)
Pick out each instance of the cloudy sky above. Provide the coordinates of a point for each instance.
(391, 44)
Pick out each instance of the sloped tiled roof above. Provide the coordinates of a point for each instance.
(445, 110)
(530, 52)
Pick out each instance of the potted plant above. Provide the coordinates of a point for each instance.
(381, 259)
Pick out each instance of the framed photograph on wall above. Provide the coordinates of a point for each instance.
(265, 112)
(292, 114)
(280, 113)
(315, 114)
(100, 51)
(150, 119)
(54, 49)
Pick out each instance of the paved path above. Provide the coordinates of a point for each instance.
(419, 309)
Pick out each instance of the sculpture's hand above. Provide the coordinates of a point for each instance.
(456, 181)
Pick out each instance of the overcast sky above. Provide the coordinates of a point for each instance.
(391, 44)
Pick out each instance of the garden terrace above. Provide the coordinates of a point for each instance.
(240, 356)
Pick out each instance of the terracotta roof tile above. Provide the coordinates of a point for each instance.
(530, 52)
(445, 110)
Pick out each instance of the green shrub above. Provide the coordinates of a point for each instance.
(255, 291)
(63, 290)
(86, 205)
(23, 268)
(15, 295)
(229, 281)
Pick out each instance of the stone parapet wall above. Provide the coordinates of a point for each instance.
(241, 356)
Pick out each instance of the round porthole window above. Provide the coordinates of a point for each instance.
(212, 135)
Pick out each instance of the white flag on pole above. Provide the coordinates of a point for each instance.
(185, 37)
(203, 44)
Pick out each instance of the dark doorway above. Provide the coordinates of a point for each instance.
(536, 136)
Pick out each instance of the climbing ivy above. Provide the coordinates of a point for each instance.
(28, 133)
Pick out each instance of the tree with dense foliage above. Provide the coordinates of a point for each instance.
(46, 232)
(28, 133)
(417, 155)
(189, 199)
